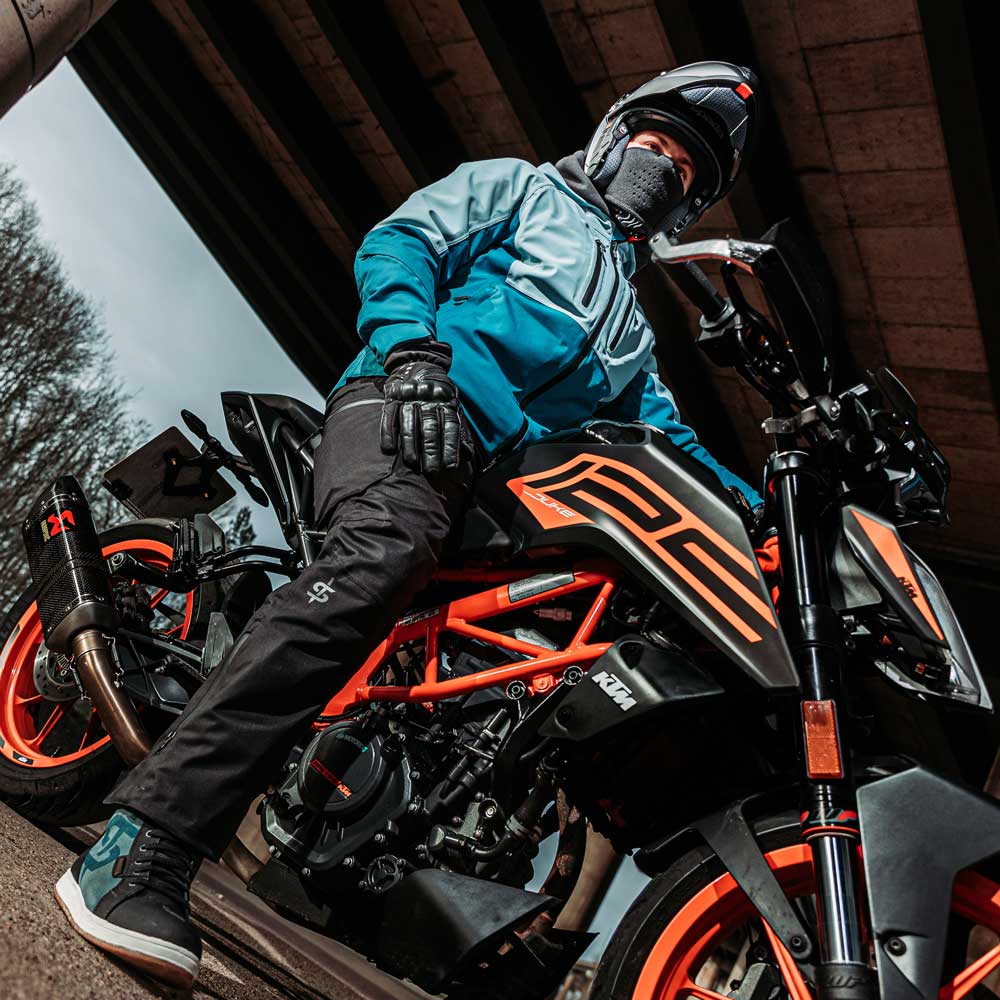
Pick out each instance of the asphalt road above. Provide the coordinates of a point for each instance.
(250, 953)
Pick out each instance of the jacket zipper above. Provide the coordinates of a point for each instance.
(595, 276)
(617, 335)
(506, 447)
(582, 353)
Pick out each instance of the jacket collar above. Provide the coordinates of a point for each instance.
(569, 170)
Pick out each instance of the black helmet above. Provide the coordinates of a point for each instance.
(711, 108)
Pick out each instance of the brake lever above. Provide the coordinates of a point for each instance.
(214, 450)
(255, 492)
(239, 467)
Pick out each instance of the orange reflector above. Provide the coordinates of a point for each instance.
(744, 91)
(819, 721)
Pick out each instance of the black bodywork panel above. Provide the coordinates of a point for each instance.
(277, 435)
(876, 543)
(434, 928)
(918, 830)
(874, 568)
(436, 924)
(624, 490)
(728, 833)
(631, 681)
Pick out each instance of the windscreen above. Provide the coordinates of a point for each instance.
(810, 323)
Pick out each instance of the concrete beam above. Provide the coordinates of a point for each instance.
(34, 36)
(146, 81)
(521, 48)
(367, 41)
(961, 58)
(274, 84)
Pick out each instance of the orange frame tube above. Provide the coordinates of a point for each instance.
(540, 669)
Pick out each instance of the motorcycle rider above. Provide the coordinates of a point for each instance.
(496, 308)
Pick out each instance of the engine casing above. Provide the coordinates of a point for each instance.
(350, 784)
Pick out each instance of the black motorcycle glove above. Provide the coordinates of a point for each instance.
(420, 413)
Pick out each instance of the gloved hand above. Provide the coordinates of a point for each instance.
(420, 413)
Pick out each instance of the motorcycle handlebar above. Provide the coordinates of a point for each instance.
(699, 290)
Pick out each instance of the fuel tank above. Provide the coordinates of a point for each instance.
(624, 491)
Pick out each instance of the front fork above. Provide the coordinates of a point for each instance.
(829, 808)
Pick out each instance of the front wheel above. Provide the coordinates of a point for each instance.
(693, 933)
(56, 759)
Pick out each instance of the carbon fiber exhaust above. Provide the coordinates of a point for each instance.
(73, 593)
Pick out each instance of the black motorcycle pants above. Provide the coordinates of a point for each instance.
(385, 527)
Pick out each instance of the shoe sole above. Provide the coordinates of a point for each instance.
(168, 962)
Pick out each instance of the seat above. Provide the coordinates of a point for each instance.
(475, 533)
(306, 418)
(277, 436)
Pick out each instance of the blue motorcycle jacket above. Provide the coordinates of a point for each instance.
(528, 282)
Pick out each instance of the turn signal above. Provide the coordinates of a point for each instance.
(819, 723)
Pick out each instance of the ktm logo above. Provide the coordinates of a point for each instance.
(615, 688)
(56, 524)
(908, 586)
(324, 772)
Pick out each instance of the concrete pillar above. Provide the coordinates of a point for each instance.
(35, 35)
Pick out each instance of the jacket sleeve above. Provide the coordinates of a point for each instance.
(406, 258)
(648, 400)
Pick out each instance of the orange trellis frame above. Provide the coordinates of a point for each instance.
(540, 669)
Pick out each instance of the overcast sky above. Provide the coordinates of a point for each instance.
(180, 329)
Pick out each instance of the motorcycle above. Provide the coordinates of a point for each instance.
(600, 645)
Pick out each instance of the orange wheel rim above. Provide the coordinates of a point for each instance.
(27, 719)
(720, 908)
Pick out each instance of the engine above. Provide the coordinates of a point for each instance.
(383, 793)
(347, 791)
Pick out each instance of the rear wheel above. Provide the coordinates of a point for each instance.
(56, 759)
(694, 933)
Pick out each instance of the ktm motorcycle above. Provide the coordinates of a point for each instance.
(599, 646)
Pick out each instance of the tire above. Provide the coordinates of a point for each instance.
(656, 906)
(71, 793)
(692, 921)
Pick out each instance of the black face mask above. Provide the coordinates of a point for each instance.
(645, 190)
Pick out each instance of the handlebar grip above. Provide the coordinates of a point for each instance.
(699, 290)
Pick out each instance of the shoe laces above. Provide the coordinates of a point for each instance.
(164, 865)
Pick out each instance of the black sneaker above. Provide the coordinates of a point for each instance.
(129, 895)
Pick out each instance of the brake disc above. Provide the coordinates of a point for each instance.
(54, 676)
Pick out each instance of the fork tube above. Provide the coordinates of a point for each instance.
(815, 636)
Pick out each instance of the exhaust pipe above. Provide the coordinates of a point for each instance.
(96, 667)
(73, 593)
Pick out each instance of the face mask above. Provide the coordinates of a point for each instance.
(645, 189)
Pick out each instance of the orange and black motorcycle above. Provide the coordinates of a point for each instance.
(600, 644)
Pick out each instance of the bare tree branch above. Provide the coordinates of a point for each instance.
(62, 408)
